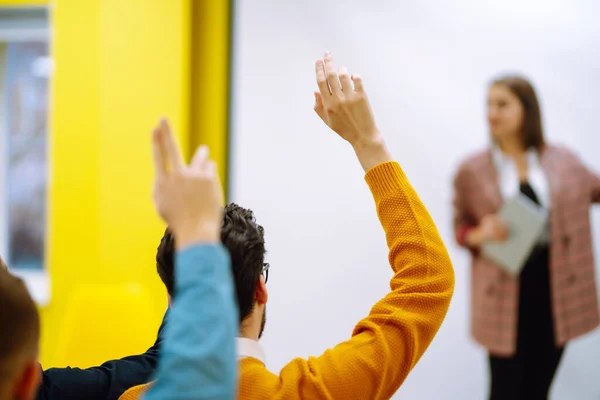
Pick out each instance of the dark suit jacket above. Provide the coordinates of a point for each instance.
(106, 382)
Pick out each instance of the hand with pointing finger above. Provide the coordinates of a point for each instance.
(189, 198)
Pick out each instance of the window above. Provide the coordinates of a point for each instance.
(25, 69)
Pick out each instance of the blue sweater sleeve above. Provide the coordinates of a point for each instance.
(198, 359)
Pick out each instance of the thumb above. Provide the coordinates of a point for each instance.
(319, 108)
(358, 83)
(318, 100)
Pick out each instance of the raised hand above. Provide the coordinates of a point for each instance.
(189, 198)
(342, 104)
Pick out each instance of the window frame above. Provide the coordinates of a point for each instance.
(25, 24)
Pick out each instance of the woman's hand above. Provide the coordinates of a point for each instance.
(491, 229)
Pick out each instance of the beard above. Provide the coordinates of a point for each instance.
(263, 323)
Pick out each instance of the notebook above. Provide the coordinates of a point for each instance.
(526, 221)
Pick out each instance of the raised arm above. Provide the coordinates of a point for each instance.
(388, 343)
(198, 356)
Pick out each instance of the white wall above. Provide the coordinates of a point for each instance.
(425, 65)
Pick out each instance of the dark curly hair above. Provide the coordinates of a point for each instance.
(244, 239)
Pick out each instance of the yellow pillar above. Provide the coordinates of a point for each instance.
(209, 115)
(120, 65)
(23, 3)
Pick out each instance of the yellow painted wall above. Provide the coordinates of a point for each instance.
(120, 65)
(25, 3)
(210, 78)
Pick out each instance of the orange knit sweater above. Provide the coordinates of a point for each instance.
(388, 343)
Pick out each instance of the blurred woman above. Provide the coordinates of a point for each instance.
(526, 321)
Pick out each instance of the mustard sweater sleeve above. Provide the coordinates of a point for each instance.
(387, 344)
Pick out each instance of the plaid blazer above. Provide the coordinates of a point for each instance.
(494, 293)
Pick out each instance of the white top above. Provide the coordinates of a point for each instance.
(250, 348)
(508, 179)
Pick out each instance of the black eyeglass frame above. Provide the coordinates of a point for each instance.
(265, 271)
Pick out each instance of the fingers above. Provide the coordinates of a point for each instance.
(170, 147)
(318, 100)
(345, 80)
(499, 229)
(200, 159)
(503, 230)
(331, 84)
(160, 165)
(213, 167)
(501, 236)
(213, 171)
(322, 79)
(358, 84)
(332, 77)
(207, 168)
(210, 169)
(499, 223)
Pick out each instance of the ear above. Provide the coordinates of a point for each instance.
(261, 291)
(30, 380)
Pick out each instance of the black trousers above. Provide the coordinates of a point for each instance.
(529, 373)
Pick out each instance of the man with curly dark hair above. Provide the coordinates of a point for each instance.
(245, 240)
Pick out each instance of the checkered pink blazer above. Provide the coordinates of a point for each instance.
(494, 293)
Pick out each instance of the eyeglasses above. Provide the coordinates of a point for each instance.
(265, 271)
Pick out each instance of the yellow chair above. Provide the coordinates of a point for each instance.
(104, 322)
